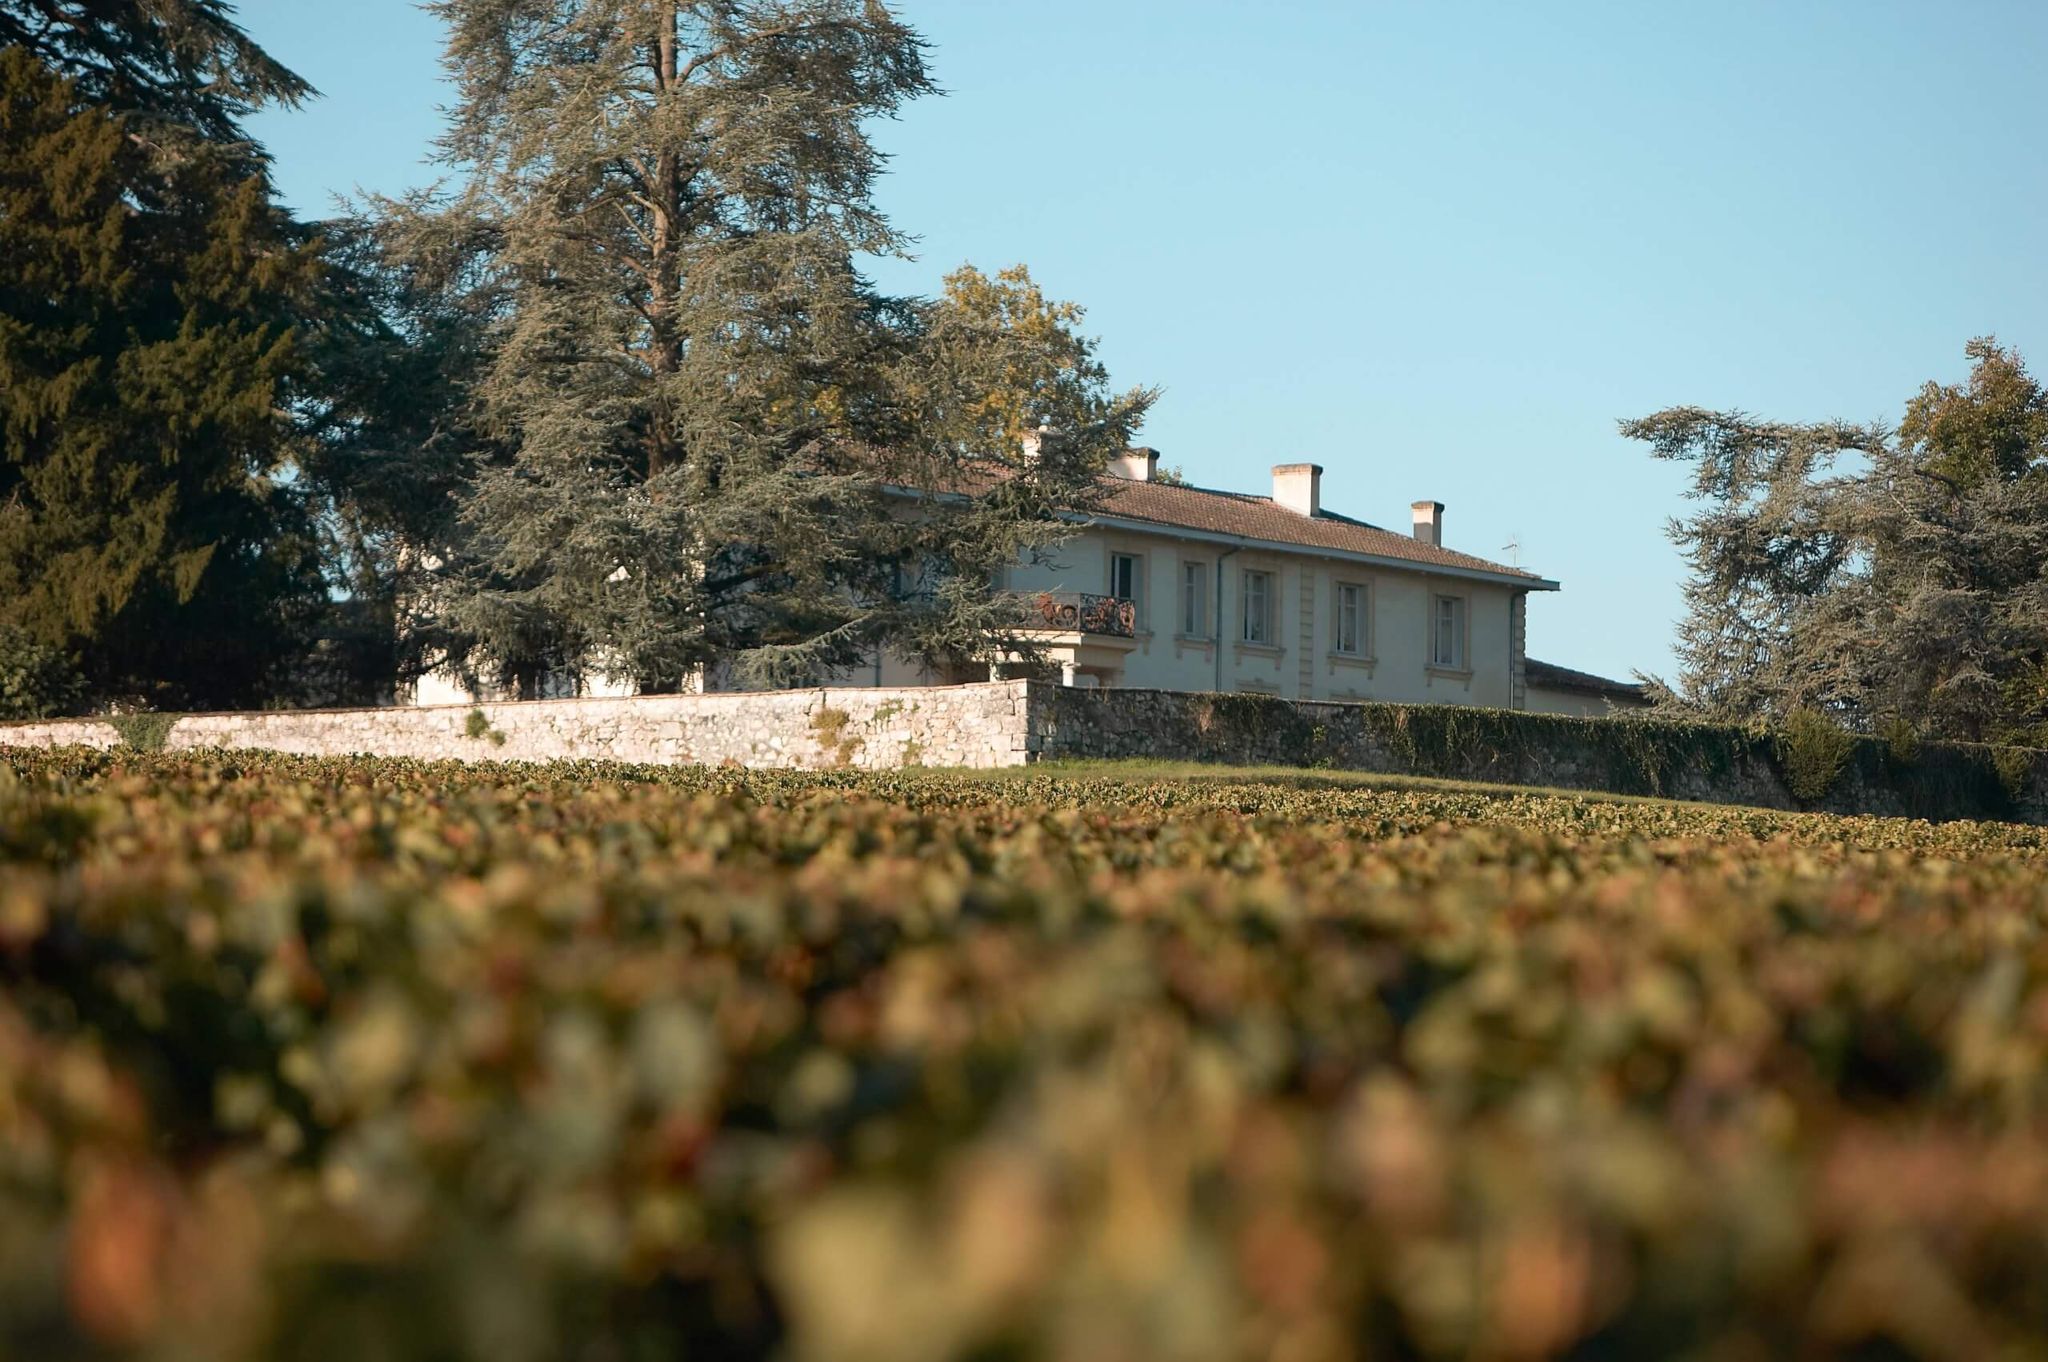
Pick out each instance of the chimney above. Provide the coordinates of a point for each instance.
(1429, 522)
(1136, 465)
(1034, 441)
(1298, 487)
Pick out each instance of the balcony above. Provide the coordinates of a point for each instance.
(1077, 612)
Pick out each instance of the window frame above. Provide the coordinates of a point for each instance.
(1137, 586)
(1361, 626)
(1195, 622)
(1266, 579)
(1460, 629)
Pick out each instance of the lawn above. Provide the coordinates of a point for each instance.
(1134, 770)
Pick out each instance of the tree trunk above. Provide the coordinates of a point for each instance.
(665, 347)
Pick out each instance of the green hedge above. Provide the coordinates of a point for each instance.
(1809, 764)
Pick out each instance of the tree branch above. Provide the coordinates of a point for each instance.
(691, 67)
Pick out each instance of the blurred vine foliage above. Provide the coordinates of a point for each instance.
(307, 1059)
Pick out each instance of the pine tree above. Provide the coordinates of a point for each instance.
(149, 289)
(707, 425)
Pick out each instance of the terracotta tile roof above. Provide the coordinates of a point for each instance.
(1254, 517)
(1550, 676)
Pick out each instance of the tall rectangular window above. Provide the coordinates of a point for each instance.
(1258, 607)
(1447, 632)
(1350, 631)
(1194, 600)
(1126, 577)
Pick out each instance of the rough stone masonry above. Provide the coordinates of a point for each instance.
(982, 725)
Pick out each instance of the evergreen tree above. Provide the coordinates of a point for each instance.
(176, 69)
(706, 428)
(149, 290)
(391, 437)
(1891, 577)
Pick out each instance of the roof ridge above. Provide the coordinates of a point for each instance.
(1339, 516)
(1322, 513)
(1114, 480)
(1570, 674)
(1249, 515)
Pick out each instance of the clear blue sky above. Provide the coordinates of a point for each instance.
(1438, 248)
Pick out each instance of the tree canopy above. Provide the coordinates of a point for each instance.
(698, 424)
(618, 398)
(150, 298)
(1889, 576)
(184, 67)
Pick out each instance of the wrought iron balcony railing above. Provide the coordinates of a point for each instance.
(1078, 612)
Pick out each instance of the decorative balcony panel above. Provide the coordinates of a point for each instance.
(1078, 612)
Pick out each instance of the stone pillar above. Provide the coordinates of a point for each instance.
(1067, 673)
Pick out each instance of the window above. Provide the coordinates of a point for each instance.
(1194, 600)
(1447, 632)
(1126, 576)
(1349, 635)
(1258, 607)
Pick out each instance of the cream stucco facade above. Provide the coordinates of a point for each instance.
(1216, 610)
(1265, 619)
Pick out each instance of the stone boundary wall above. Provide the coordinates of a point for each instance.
(980, 725)
(1719, 764)
(1012, 723)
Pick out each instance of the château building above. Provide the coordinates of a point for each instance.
(1173, 587)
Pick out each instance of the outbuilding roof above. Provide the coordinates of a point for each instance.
(1550, 676)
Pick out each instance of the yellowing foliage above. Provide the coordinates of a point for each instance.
(1032, 360)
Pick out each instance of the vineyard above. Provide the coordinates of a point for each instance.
(404, 1062)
